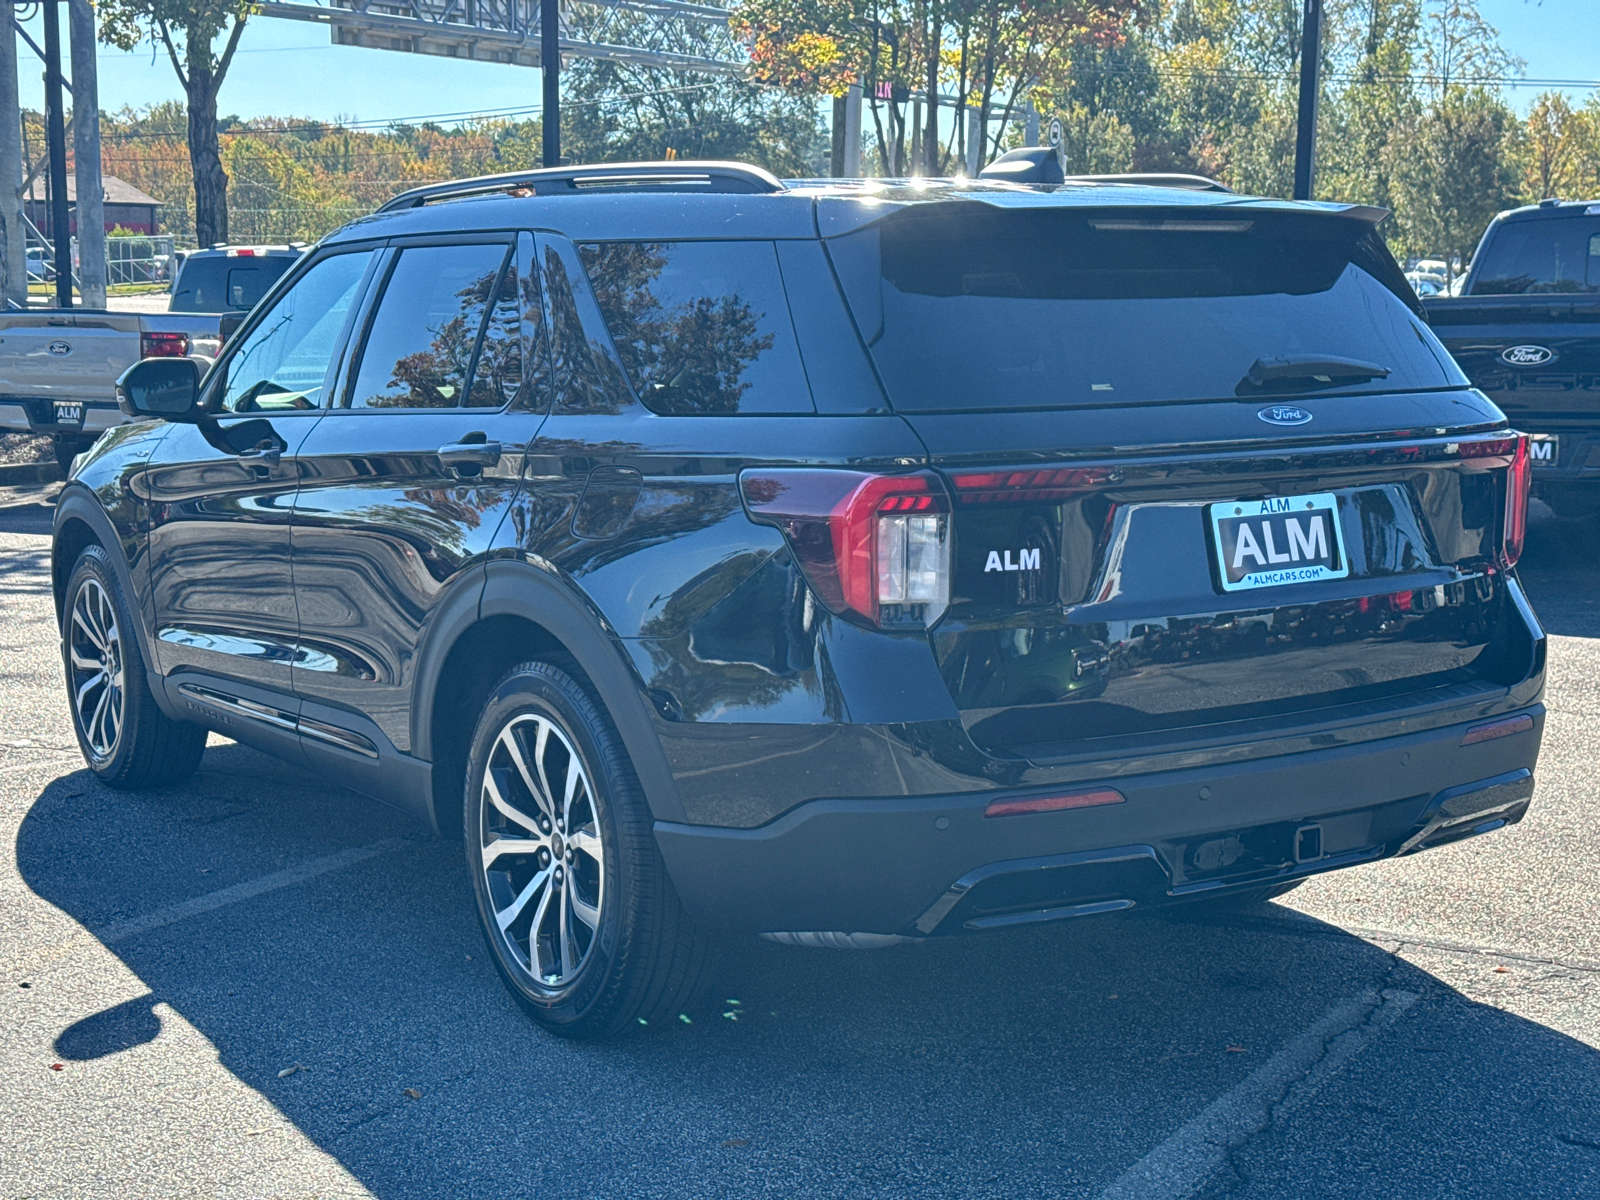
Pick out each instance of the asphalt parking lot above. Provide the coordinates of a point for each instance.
(254, 986)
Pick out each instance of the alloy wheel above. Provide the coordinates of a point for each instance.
(541, 851)
(95, 666)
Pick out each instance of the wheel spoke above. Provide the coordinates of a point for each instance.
(568, 965)
(585, 841)
(82, 619)
(491, 788)
(541, 797)
(574, 778)
(533, 932)
(505, 845)
(547, 797)
(86, 687)
(80, 663)
(96, 722)
(583, 910)
(513, 910)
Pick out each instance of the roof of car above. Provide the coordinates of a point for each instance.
(1547, 209)
(799, 209)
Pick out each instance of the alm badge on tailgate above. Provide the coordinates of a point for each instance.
(1283, 539)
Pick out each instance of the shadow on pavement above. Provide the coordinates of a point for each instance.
(1038, 1063)
(1560, 568)
(29, 509)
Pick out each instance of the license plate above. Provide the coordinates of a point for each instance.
(1284, 539)
(1544, 449)
(69, 414)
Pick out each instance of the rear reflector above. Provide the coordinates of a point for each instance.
(1497, 729)
(163, 345)
(1040, 804)
(1027, 485)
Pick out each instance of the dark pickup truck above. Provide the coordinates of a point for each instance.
(1526, 329)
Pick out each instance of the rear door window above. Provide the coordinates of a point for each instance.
(226, 283)
(421, 340)
(963, 306)
(700, 327)
(1540, 256)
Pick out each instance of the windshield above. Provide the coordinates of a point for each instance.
(966, 307)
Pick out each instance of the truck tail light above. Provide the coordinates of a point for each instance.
(877, 546)
(163, 345)
(1513, 453)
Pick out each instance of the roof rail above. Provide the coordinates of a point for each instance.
(1190, 183)
(676, 176)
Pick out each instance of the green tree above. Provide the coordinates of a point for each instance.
(201, 69)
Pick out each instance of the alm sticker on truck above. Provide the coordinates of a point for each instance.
(1284, 539)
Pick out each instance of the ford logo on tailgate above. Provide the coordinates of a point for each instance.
(60, 349)
(1528, 356)
(1284, 414)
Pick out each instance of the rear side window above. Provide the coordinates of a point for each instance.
(420, 342)
(223, 283)
(700, 327)
(1539, 256)
(971, 307)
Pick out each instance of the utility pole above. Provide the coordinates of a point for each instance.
(1305, 146)
(852, 132)
(86, 157)
(550, 70)
(56, 136)
(13, 232)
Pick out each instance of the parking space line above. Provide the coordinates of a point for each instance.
(1183, 1163)
(123, 930)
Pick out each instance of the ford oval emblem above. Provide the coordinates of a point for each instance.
(1284, 414)
(60, 349)
(1528, 356)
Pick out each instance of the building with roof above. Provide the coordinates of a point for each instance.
(125, 205)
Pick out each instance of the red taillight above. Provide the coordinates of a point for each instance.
(163, 345)
(1513, 451)
(1039, 804)
(1518, 480)
(1028, 484)
(874, 545)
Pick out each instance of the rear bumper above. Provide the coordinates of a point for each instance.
(22, 415)
(937, 865)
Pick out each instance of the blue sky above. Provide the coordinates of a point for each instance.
(287, 68)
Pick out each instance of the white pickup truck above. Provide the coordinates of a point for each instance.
(59, 366)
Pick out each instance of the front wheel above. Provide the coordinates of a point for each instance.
(125, 738)
(573, 898)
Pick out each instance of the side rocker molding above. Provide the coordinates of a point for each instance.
(517, 588)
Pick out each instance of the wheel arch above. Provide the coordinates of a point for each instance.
(80, 522)
(525, 612)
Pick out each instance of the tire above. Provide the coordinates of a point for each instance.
(125, 738)
(66, 449)
(584, 926)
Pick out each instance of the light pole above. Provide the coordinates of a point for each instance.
(1305, 144)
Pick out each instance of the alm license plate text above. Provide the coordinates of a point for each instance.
(69, 414)
(1283, 539)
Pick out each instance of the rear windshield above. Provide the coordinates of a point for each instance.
(1532, 257)
(966, 307)
(226, 284)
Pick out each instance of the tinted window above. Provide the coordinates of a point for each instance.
(420, 342)
(588, 379)
(701, 327)
(280, 364)
(1538, 256)
(219, 283)
(968, 307)
(497, 377)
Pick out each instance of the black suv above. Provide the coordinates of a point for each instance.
(839, 561)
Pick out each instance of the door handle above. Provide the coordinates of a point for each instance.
(470, 454)
(266, 454)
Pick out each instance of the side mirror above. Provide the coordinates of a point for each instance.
(229, 325)
(168, 388)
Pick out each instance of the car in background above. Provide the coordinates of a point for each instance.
(1426, 284)
(226, 279)
(1526, 328)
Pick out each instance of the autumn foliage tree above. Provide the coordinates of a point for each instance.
(201, 68)
(989, 55)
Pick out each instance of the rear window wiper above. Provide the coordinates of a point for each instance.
(1304, 372)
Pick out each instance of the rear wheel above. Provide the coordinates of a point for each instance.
(126, 740)
(573, 898)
